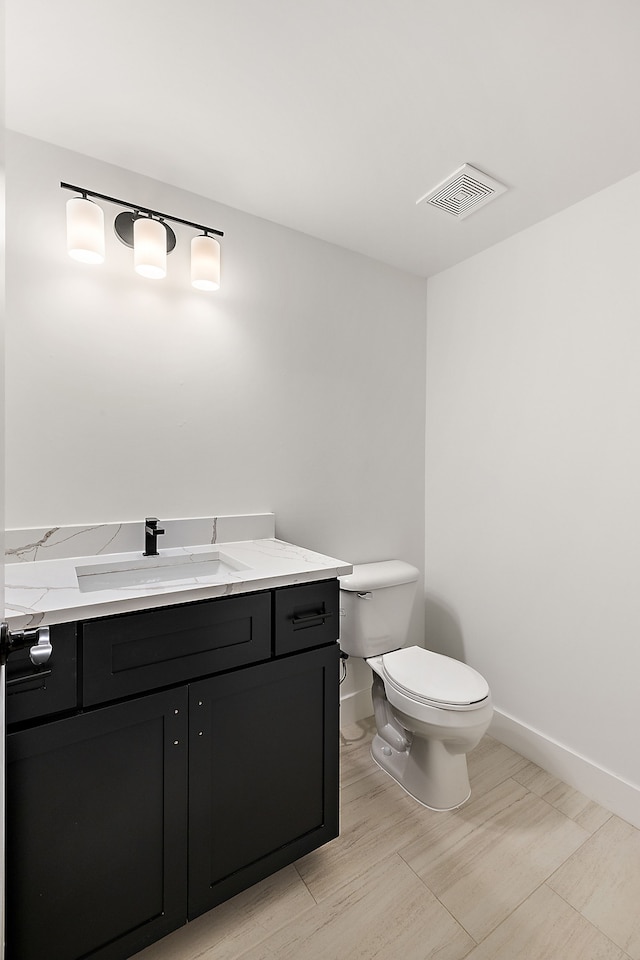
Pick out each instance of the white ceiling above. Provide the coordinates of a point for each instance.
(334, 116)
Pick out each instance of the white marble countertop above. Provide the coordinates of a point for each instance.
(48, 591)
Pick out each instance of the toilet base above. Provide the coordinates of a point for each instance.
(426, 771)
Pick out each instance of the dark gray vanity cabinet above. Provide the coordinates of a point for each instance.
(197, 754)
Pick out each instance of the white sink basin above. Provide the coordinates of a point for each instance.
(214, 566)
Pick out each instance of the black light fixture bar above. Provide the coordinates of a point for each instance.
(137, 207)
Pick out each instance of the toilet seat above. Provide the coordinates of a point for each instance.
(433, 679)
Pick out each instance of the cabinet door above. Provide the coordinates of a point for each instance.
(96, 831)
(263, 772)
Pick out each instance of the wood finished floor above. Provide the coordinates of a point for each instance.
(528, 869)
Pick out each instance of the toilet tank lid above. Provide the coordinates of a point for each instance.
(374, 576)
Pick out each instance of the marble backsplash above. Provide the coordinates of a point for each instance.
(57, 543)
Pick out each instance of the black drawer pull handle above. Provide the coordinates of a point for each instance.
(295, 620)
(40, 675)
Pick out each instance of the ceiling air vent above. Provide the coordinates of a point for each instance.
(463, 192)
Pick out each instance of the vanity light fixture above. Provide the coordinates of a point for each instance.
(145, 231)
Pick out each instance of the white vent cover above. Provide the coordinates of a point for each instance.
(463, 192)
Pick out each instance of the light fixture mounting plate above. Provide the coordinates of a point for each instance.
(123, 228)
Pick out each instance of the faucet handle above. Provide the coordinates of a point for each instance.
(152, 524)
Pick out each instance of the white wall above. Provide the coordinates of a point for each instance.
(533, 486)
(297, 388)
(2, 322)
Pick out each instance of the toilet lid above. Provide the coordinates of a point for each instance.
(425, 675)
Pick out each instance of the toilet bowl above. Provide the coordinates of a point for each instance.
(430, 710)
(441, 722)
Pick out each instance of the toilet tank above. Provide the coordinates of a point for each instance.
(375, 607)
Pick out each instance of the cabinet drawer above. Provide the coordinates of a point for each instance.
(306, 616)
(38, 691)
(137, 652)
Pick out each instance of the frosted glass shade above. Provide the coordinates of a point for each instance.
(85, 230)
(205, 263)
(150, 248)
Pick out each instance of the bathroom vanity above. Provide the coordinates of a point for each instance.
(169, 756)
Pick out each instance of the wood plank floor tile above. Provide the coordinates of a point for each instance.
(227, 931)
(487, 874)
(355, 751)
(490, 763)
(573, 804)
(544, 927)
(602, 881)
(385, 915)
(376, 814)
(442, 831)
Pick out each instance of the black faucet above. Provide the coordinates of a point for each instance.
(151, 534)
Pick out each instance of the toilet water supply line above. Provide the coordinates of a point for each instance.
(343, 664)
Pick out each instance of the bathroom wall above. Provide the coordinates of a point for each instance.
(2, 288)
(2, 321)
(533, 487)
(298, 388)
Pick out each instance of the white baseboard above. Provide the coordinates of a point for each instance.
(606, 788)
(355, 706)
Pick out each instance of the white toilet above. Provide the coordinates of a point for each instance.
(429, 710)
